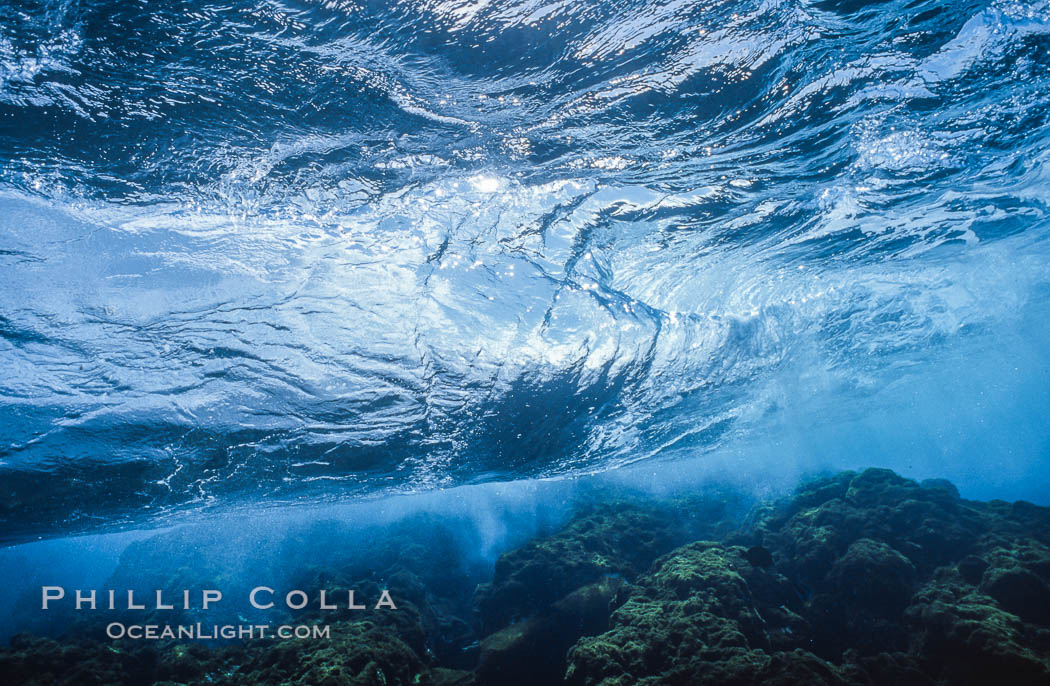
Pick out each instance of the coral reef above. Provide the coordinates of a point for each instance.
(875, 579)
(610, 540)
(554, 590)
(695, 619)
(359, 653)
(859, 578)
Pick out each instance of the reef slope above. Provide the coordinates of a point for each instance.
(857, 578)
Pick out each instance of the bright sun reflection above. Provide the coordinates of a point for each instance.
(485, 183)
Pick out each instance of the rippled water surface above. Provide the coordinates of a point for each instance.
(285, 251)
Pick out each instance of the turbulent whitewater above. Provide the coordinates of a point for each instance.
(283, 251)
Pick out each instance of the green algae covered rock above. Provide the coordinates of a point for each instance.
(609, 540)
(1018, 577)
(874, 575)
(360, 653)
(531, 651)
(31, 661)
(965, 637)
(357, 654)
(554, 590)
(929, 524)
(874, 579)
(861, 578)
(704, 615)
(858, 546)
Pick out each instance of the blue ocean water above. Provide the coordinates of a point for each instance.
(263, 253)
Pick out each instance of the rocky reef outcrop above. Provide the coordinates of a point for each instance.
(874, 579)
(547, 594)
(859, 578)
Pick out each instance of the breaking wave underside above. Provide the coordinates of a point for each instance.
(298, 250)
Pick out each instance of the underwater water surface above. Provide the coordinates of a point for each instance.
(255, 254)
